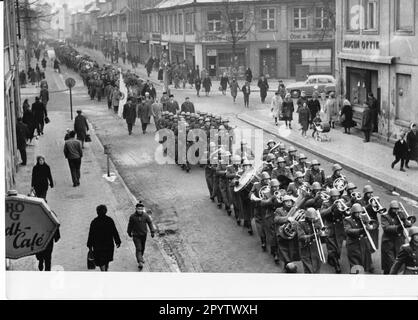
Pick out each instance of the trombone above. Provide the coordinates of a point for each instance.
(376, 206)
(324, 229)
(410, 219)
(371, 225)
(318, 244)
(356, 195)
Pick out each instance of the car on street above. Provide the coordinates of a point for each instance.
(320, 83)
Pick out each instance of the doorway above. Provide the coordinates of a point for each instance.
(212, 66)
(295, 59)
(268, 63)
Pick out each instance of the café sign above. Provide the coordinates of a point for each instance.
(30, 225)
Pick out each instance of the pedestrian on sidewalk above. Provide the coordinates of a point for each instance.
(41, 178)
(304, 118)
(375, 111)
(108, 93)
(187, 106)
(234, 87)
(45, 257)
(332, 109)
(29, 120)
(287, 110)
(276, 107)
(346, 116)
(102, 237)
(264, 87)
(144, 114)
(74, 153)
(412, 141)
(314, 107)
(198, 84)
(129, 114)
(81, 127)
(149, 65)
(22, 132)
(137, 230)
(246, 90)
(366, 123)
(44, 95)
(248, 75)
(22, 79)
(116, 96)
(224, 83)
(156, 110)
(40, 113)
(43, 63)
(207, 84)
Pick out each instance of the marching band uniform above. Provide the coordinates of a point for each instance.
(232, 176)
(293, 187)
(315, 201)
(336, 173)
(245, 207)
(301, 166)
(280, 172)
(288, 250)
(223, 185)
(393, 237)
(368, 193)
(291, 157)
(358, 246)
(315, 174)
(333, 219)
(408, 255)
(308, 248)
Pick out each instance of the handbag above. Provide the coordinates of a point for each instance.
(47, 120)
(88, 138)
(32, 193)
(90, 261)
(342, 118)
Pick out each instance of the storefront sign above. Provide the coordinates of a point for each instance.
(30, 225)
(211, 53)
(361, 45)
(309, 36)
(220, 38)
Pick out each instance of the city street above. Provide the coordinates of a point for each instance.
(194, 236)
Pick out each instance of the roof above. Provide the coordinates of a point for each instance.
(165, 4)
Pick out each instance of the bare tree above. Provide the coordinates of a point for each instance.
(236, 22)
(328, 17)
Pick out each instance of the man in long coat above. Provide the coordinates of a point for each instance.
(187, 106)
(412, 142)
(264, 86)
(81, 127)
(39, 113)
(129, 114)
(366, 123)
(144, 114)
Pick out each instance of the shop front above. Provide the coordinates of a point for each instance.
(220, 60)
(176, 53)
(144, 51)
(318, 55)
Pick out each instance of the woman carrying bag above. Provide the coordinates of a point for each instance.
(41, 177)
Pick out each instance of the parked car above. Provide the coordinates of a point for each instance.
(320, 83)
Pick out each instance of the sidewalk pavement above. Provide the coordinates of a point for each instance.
(142, 72)
(369, 160)
(76, 207)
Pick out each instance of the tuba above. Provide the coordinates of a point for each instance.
(264, 192)
(340, 183)
(288, 230)
(376, 206)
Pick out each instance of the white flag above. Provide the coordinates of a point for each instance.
(124, 90)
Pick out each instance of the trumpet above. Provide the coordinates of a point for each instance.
(342, 206)
(406, 216)
(324, 196)
(376, 206)
(279, 194)
(264, 192)
(368, 224)
(356, 195)
(305, 189)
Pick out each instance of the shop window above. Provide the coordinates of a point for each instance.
(214, 21)
(404, 105)
(318, 60)
(300, 19)
(354, 15)
(267, 19)
(321, 19)
(371, 15)
(405, 15)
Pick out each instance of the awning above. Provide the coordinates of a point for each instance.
(154, 42)
(163, 43)
(143, 41)
(366, 58)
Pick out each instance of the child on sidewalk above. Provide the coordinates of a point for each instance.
(400, 151)
(315, 123)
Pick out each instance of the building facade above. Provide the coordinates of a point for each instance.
(12, 104)
(377, 52)
(282, 35)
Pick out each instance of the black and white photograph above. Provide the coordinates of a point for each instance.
(218, 137)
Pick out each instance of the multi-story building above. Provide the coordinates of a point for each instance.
(282, 35)
(377, 52)
(12, 104)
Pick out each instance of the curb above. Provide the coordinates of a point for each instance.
(358, 172)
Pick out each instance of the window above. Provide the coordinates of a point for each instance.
(214, 21)
(176, 26)
(321, 19)
(354, 15)
(180, 23)
(371, 15)
(189, 22)
(237, 20)
(267, 19)
(405, 13)
(300, 18)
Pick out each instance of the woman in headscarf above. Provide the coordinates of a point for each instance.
(41, 178)
(347, 116)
